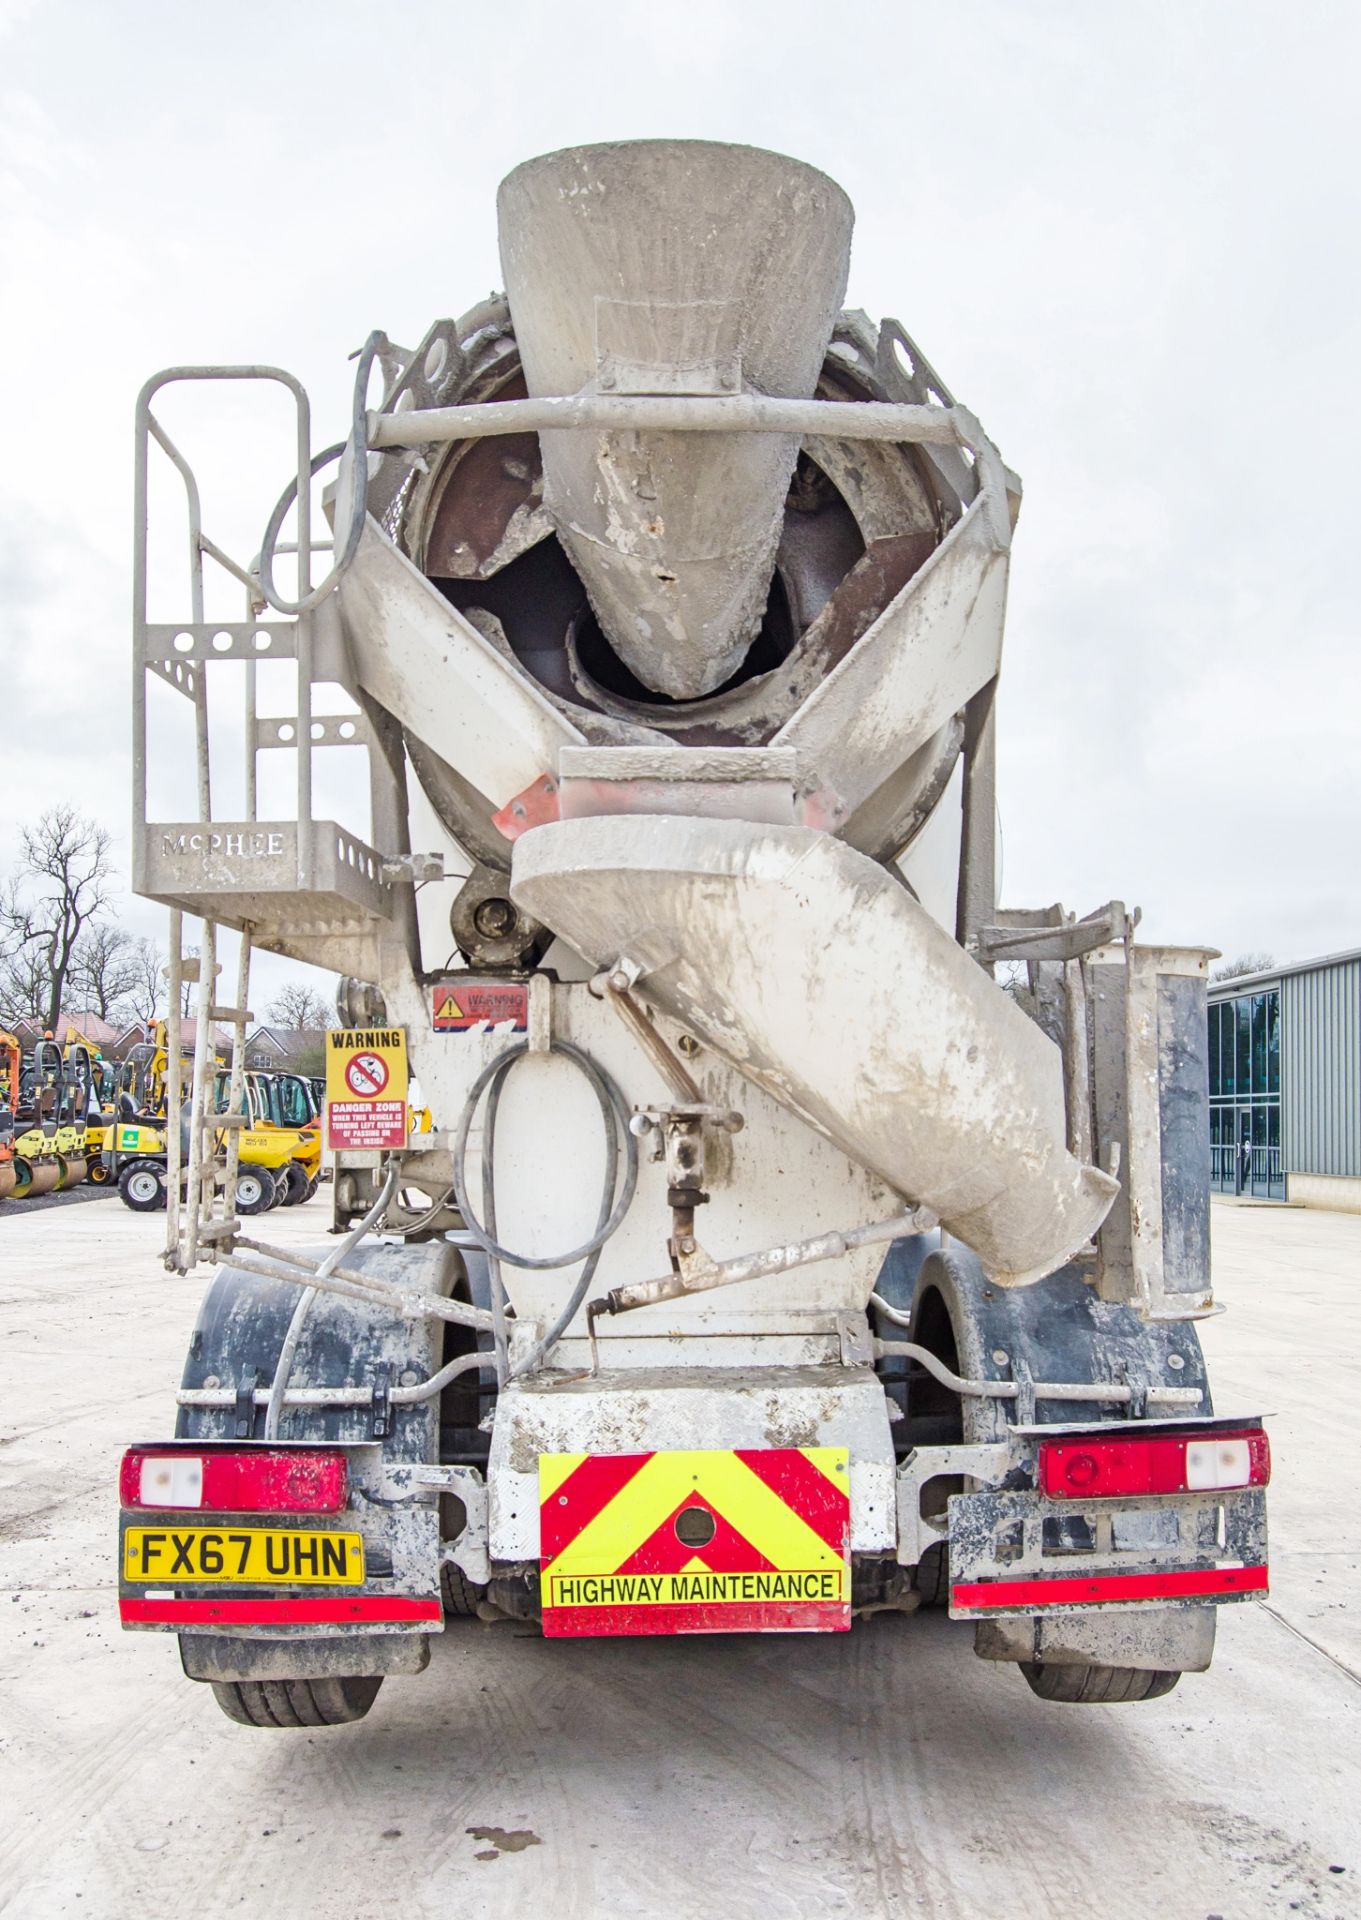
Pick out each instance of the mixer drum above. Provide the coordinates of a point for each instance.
(672, 267)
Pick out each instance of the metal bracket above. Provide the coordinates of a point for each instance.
(380, 1422)
(1045, 934)
(470, 1552)
(988, 1463)
(414, 868)
(857, 1342)
(243, 1418)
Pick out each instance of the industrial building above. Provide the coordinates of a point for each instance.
(1285, 1083)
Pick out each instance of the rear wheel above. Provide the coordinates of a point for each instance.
(295, 1183)
(255, 1193)
(142, 1187)
(297, 1703)
(460, 1596)
(931, 1576)
(1097, 1686)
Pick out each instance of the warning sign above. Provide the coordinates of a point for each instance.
(465, 1005)
(754, 1539)
(366, 1074)
(366, 1081)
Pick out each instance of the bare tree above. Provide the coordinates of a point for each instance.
(61, 887)
(1245, 963)
(104, 970)
(23, 978)
(298, 1008)
(147, 993)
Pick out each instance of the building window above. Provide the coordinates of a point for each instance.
(1245, 1095)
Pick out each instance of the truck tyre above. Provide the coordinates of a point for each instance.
(142, 1187)
(460, 1596)
(931, 1577)
(297, 1703)
(312, 1185)
(295, 1184)
(1097, 1686)
(255, 1191)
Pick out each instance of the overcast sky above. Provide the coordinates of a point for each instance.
(1127, 236)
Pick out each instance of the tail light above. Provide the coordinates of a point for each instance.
(265, 1481)
(1092, 1468)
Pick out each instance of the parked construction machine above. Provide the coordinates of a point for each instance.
(11, 1061)
(768, 1259)
(57, 1100)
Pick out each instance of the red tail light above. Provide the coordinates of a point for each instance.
(263, 1481)
(1092, 1468)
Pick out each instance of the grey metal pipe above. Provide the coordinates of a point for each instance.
(407, 1305)
(1096, 1391)
(217, 1398)
(704, 1276)
(651, 413)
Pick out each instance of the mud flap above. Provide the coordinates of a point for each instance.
(1059, 1329)
(235, 1346)
(1163, 1640)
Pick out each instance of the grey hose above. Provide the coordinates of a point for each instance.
(348, 546)
(284, 1366)
(612, 1211)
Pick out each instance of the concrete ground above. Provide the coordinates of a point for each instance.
(882, 1772)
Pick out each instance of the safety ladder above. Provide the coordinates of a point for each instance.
(202, 1220)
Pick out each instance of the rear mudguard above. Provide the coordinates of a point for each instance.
(241, 1328)
(236, 1344)
(1058, 1329)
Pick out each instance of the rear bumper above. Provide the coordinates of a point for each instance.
(1015, 1555)
(1013, 1551)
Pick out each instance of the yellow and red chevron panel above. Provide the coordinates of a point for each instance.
(731, 1540)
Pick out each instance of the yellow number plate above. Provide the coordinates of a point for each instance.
(255, 1556)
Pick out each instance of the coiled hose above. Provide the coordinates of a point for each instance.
(615, 1115)
(347, 543)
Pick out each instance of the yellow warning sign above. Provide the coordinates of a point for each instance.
(366, 1088)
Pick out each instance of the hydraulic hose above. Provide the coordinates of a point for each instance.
(615, 1115)
(347, 545)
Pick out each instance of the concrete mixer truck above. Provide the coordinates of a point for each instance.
(798, 1233)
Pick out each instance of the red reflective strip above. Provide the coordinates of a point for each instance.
(277, 1613)
(586, 1490)
(1070, 1590)
(798, 1616)
(818, 1501)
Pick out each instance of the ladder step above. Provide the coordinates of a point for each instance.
(219, 1229)
(189, 971)
(231, 1016)
(221, 1120)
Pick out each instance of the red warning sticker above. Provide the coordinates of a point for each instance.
(464, 1005)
